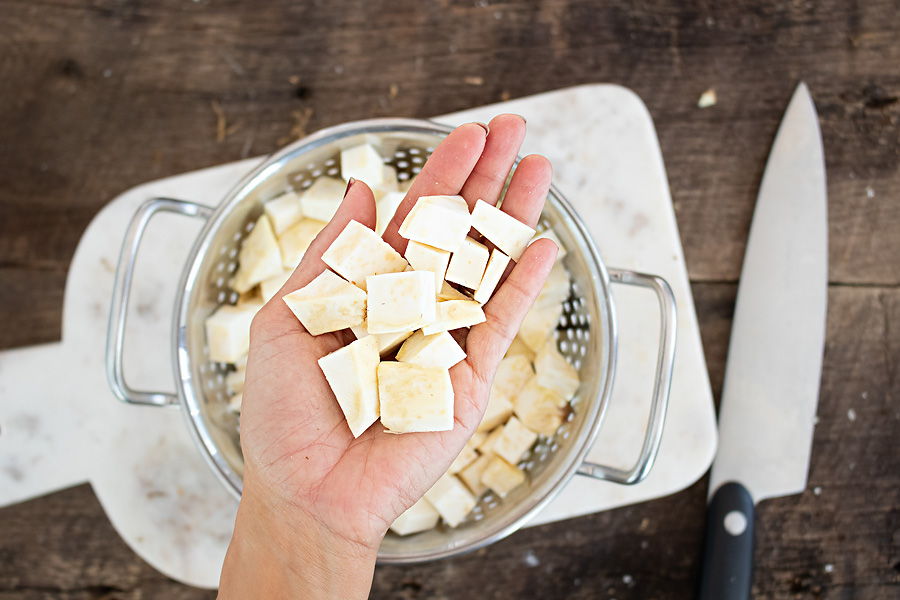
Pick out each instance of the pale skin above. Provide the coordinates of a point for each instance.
(317, 502)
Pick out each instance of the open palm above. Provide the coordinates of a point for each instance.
(297, 446)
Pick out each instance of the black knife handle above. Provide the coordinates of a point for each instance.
(728, 554)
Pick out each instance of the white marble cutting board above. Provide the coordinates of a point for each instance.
(60, 425)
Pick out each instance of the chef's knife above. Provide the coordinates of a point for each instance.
(774, 361)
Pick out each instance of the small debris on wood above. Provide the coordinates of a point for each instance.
(851, 415)
(707, 99)
(505, 95)
(829, 568)
(817, 490)
(223, 130)
(294, 80)
(870, 193)
(298, 129)
(531, 559)
(645, 523)
(393, 90)
(474, 80)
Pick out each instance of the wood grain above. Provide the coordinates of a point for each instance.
(100, 96)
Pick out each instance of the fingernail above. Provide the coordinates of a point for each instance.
(524, 120)
(350, 183)
(487, 129)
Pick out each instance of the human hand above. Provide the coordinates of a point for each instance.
(311, 491)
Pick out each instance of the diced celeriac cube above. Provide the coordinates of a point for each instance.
(228, 332)
(423, 257)
(556, 288)
(502, 477)
(503, 230)
(241, 363)
(400, 301)
(548, 234)
(269, 287)
(448, 292)
(451, 499)
(454, 314)
(486, 446)
(387, 342)
(388, 179)
(466, 456)
(554, 372)
(512, 374)
(234, 403)
(421, 516)
(358, 252)
(467, 264)
(295, 241)
(321, 200)
(234, 381)
(437, 350)
(364, 163)
(492, 274)
(471, 475)
(327, 303)
(539, 323)
(259, 257)
(385, 207)
(514, 441)
(518, 347)
(538, 408)
(414, 398)
(350, 372)
(439, 221)
(283, 211)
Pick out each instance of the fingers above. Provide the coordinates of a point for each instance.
(488, 342)
(528, 189)
(444, 173)
(500, 150)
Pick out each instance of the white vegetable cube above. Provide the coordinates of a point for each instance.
(321, 200)
(487, 444)
(423, 257)
(388, 179)
(350, 372)
(556, 288)
(554, 372)
(448, 292)
(539, 409)
(364, 163)
(296, 240)
(400, 301)
(548, 234)
(269, 287)
(234, 381)
(234, 403)
(259, 257)
(385, 208)
(471, 474)
(228, 332)
(514, 441)
(327, 303)
(496, 266)
(437, 350)
(451, 499)
(387, 342)
(415, 398)
(466, 456)
(283, 211)
(502, 477)
(467, 265)
(512, 374)
(421, 516)
(539, 323)
(504, 231)
(454, 314)
(358, 252)
(439, 221)
(520, 348)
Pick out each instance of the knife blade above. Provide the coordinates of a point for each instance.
(774, 363)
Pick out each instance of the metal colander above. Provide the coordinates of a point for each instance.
(586, 332)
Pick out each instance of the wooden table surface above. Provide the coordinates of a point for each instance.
(98, 96)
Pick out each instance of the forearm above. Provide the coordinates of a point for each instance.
(273, 554)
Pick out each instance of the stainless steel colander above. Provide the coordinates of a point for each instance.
(586, 333)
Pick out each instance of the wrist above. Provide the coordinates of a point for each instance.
(279, 551)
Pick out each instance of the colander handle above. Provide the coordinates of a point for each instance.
(118, 312)
(665, 361)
